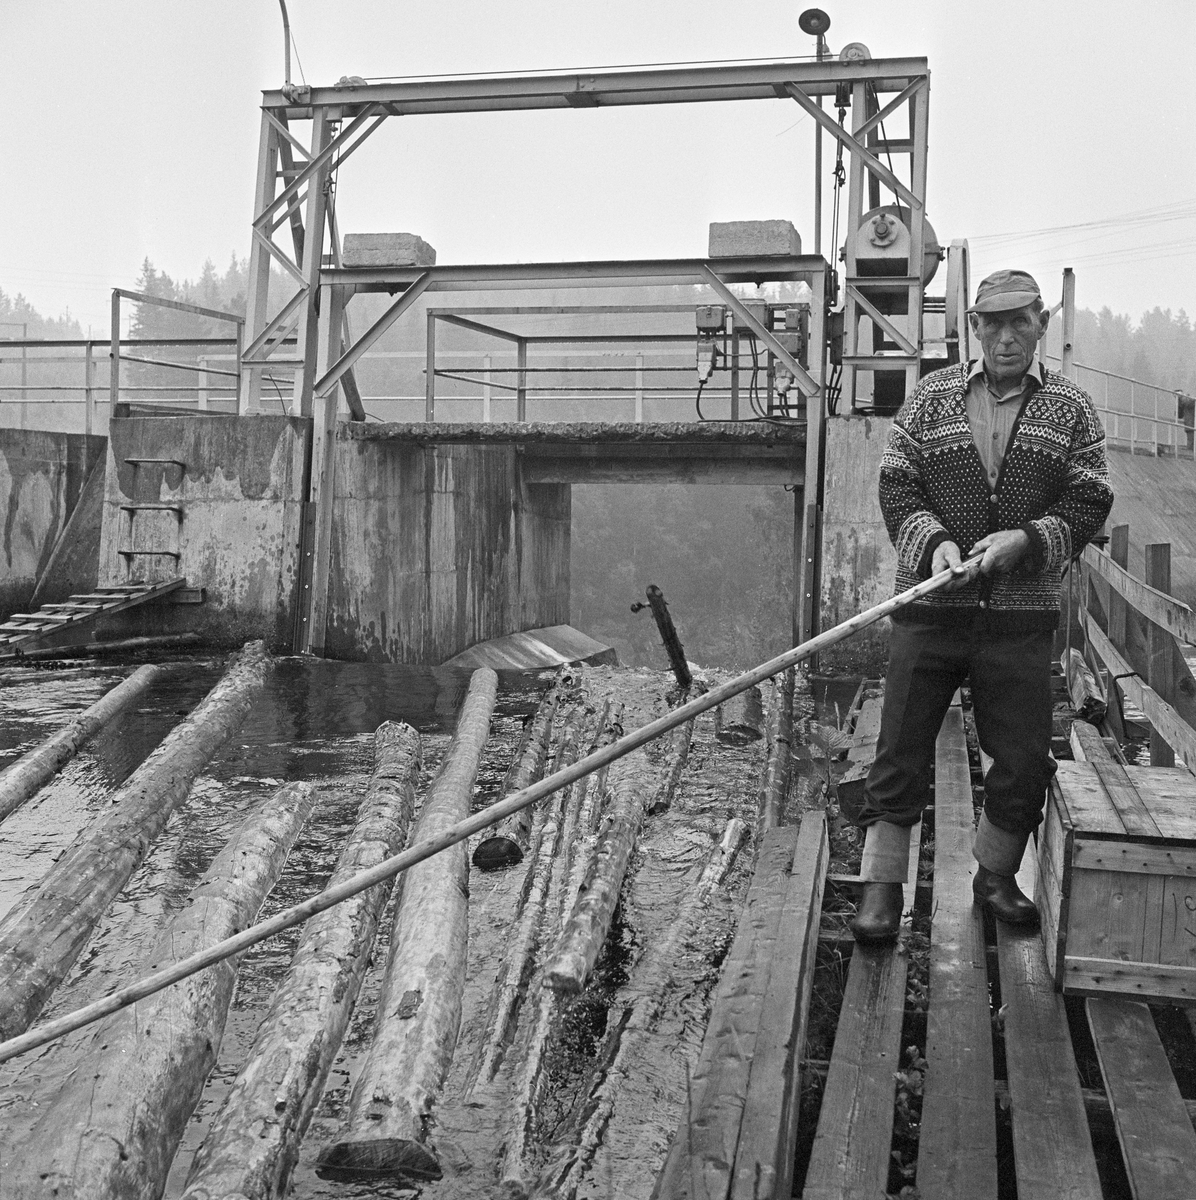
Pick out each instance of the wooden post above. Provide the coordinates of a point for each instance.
(43, 935)
(34, 770)
(115, 1126)
(1162, 674)
(253, 1143)
(419, 1010)
(487, 363)
(639, 389)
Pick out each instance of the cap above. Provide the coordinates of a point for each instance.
(1005, 290)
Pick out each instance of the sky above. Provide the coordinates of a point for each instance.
(1061, 134)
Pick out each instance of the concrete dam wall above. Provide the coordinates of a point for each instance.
(42, 480)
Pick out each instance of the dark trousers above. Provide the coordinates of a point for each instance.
(1010, 676)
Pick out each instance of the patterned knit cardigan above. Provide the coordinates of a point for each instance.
(1053, 484)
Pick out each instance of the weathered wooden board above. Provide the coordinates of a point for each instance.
(1052, 1146)
(700, 1159)
(764, 1155)
(1158, 1143)
(957, 1148)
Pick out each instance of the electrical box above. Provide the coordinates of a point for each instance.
(759, 310)
(711, 318)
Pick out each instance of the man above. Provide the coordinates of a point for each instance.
(1004, 458)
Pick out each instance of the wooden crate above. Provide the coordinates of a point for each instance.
(1117, 881)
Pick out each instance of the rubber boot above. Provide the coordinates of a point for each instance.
(884, 869)
(999, 855)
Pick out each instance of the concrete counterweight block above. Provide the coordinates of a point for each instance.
(387, 250)
(729, 239)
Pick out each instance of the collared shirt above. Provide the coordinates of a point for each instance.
(992, 415)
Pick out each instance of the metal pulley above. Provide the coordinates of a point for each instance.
(882, 244)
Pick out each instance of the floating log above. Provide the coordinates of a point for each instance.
(34, 770)
(779, 770)
(114, 1128)
(419, 1010)
(43, 935)
(632, 793)
(1087, 695)
(117, 646)
(253, 1144)
(679, 743)
(519, 961)
(583, 810)
(651, 983)
(740, 719)
(507, 843)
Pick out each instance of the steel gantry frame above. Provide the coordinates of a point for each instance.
(343, 117)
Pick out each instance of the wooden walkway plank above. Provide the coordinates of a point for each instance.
(701, 1158)
(850, 1156)
(1157, 1140)
(1052, 1145)
(957, 1148)
(764, 1156)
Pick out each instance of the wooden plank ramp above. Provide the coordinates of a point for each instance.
(23, 631)
(957, 1147)
(737, 1133)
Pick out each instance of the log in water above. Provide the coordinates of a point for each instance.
(507, 843)
(651, 982)
(740, 719)
(114, 1128)
(634, 789)
(419, 1010)
(253, 1144)
(34, 770)
(43, 935)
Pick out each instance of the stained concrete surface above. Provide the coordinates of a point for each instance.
(41, 478)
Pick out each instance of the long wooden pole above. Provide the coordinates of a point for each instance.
(34, 770)
(475, 823)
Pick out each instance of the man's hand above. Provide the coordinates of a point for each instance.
(1001, 551)
(946, 554)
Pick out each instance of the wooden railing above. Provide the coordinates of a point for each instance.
(1132, 632)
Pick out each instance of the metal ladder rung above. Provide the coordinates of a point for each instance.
(149, 554)
(136, 462)
(175, 508)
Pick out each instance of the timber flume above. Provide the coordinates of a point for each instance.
(417, 853)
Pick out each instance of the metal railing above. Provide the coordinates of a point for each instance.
(1153, 419)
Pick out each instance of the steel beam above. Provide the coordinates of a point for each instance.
(257, 300)
(590, 89)
(804, 268)
(807, 385)
(346, 361)
(857, 148)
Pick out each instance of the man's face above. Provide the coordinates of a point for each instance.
(1009, 339)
